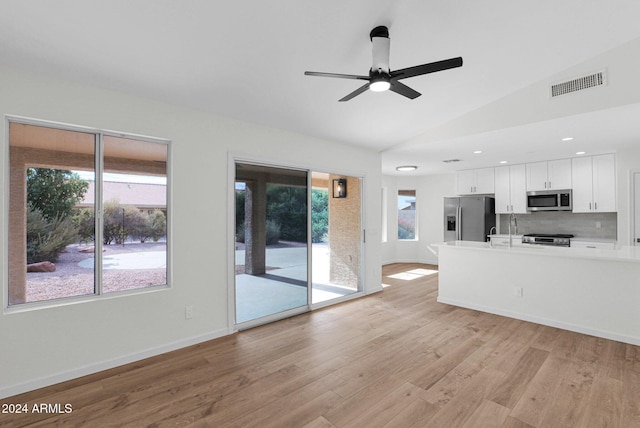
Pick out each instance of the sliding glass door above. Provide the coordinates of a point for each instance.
(287, 220)
(271, 241)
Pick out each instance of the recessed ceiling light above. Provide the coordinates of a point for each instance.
(580, 153)
(567, 139)
(406, 168)
(477, 152)
(503, 161)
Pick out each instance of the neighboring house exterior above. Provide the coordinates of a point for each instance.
(144, 196)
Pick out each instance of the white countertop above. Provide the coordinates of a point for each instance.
(621, 254)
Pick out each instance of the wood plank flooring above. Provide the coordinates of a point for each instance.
(394, 359)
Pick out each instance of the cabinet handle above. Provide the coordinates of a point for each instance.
(549, 185)
(589, 206)
(545, 184)
(595, 206)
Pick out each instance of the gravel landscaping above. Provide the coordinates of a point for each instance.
(69, 279)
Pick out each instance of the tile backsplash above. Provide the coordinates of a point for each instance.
(582, 225)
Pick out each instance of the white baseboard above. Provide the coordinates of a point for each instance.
(9, 391)
(544, 321)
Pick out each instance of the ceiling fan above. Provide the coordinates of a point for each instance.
(380, 77)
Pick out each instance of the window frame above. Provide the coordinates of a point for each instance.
(98, 293)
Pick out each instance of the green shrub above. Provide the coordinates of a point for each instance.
(273, 232)
(48, 237)
(287, 206)
(86, 224)
(157, 225)
(319, 215)
(240, 233)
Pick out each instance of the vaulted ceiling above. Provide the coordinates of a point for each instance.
(246, 60)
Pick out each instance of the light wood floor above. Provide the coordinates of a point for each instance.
(397, 359)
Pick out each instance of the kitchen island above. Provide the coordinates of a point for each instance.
(590, 291)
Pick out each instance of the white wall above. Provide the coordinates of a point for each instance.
(430, 192)
(42, 346)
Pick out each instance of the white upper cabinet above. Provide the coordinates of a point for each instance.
(551, 175)
(511, 189)
(604, 183)
(559, 173)
(466, 182)
(594, 184)
(475, 181)
(485, 180)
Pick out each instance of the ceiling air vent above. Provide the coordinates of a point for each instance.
(451, 160)
(579, 84)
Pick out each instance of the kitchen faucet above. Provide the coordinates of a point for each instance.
(491, 232)
(512, 219)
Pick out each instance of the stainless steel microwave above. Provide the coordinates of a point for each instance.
(549, 200)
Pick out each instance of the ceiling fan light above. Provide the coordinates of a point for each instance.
(379, 85)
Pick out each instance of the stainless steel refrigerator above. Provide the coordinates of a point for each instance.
(468, 218)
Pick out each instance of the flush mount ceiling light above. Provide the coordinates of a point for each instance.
(567, 139)
(477, 152)
(406, 168)
(581, 153)
(503, 161)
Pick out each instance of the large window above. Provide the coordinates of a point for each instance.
(407, 222)
(59, 179)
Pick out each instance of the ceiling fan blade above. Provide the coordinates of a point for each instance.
(355, 93)
(339, 76)
(402, 89)
(431, 67)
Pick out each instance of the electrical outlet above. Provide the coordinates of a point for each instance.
(517, 291)
(188, 312)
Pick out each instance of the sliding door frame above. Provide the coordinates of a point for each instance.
(232, 159)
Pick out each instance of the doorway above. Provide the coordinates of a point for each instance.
(336, 236)
(298, 241)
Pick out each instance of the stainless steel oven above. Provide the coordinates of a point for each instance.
(555, 240)
(549, 200)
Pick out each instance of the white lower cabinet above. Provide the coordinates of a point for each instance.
(597, 245)
(503, 240)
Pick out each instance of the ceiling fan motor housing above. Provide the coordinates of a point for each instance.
(380, 50)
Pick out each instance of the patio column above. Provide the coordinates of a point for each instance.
(255, 233)
(344, 235)
(17, 228)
